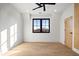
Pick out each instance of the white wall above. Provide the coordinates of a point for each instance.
(9, 16)
(53, 36)
(68, 12)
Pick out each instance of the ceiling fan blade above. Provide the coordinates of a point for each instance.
(36, 8)
(44, 7)
(48, 3)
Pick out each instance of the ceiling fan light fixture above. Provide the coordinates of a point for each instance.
(43, 5)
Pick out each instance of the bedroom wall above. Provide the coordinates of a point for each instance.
(53, 36)
(9, 19)
(68, 12)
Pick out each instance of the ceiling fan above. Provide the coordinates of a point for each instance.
(43, 5)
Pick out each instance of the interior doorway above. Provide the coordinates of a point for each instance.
(68, 31)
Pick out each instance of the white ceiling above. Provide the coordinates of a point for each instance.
(27, 7)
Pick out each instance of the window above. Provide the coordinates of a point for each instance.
(41, 25)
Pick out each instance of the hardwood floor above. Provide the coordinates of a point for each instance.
(41, 49)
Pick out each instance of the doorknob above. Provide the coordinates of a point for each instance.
(70, 32)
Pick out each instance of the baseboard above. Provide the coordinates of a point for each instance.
(40, 41)
(76, 50)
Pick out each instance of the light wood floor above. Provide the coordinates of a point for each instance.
(41, 49)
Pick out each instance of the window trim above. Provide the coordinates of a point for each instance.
(40, 24)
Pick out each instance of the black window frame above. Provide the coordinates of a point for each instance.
(40, 25)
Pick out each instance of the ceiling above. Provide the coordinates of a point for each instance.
(28, 7)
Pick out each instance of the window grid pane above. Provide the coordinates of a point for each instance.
(37, 22)
(45, 22)
(36, 25)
